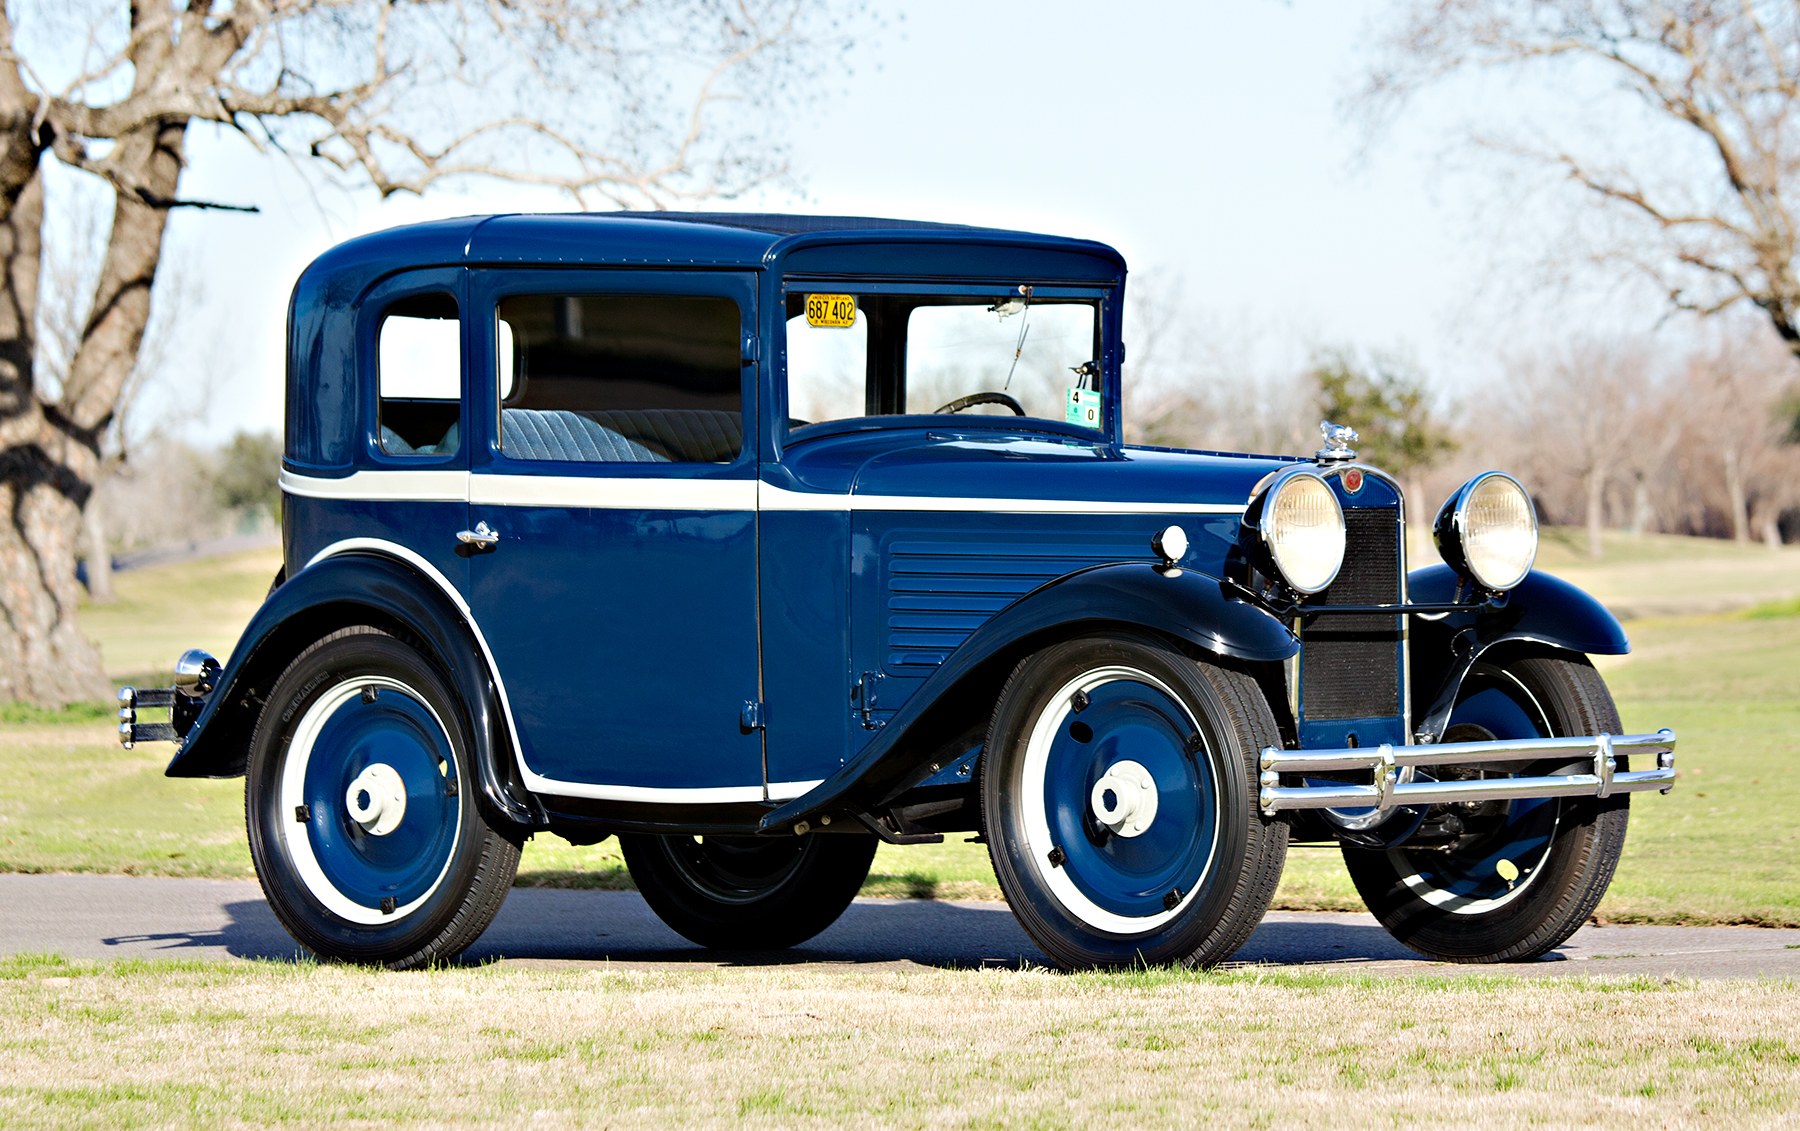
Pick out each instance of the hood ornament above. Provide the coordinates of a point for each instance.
(1338, 438)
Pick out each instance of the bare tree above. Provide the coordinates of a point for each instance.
(1568, 413)
(1700, 160)
(1734, 414)
(1204, 379)
(610, 101)
(71, 266)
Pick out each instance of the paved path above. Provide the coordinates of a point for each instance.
(121, 916)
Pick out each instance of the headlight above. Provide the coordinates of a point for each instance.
(1488, 531)
(1301, 527)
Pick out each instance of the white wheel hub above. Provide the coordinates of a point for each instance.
(376, 799)
(1124, 799)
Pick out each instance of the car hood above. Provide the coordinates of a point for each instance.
(1044, 469)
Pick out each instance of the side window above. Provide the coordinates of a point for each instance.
(620, 378)
(419, 376)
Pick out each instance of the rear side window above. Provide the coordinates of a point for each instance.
(620, 378)
(419, 376)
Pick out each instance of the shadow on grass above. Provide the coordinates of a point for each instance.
(904, 885)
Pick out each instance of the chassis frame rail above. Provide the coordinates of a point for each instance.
(1394, 786)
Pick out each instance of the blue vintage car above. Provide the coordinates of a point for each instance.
(757, 541)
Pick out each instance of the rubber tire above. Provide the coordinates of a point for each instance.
(1250, 848)
(1583, 853)
(480, 869)
(781, 891)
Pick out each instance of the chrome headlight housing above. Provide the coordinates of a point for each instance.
(1488, 531)
(1299, 530)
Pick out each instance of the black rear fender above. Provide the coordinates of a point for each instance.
(350, 589)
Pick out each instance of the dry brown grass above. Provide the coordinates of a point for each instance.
(820, 1046)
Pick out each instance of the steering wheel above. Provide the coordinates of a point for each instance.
(974, 399)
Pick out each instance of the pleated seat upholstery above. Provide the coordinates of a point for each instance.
(685, 435)
(622, 435)
(558, 434)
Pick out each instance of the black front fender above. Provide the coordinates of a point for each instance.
(349, 589)
(1542, 609)
(1200, 609)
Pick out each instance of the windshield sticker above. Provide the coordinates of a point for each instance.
(831, 311)
(1082, 408)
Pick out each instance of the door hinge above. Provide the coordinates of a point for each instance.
(866, 694)
(752, 716)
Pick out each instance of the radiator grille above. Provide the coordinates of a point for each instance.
(1350, 663)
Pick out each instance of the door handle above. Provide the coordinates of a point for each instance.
(483, 537)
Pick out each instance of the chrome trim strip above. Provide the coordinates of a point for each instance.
(1385, 761)
(538, 783)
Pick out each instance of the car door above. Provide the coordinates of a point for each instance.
(612, 518)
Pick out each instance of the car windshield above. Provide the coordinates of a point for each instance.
(1008, 354)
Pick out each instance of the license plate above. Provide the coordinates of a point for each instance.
(837, 311)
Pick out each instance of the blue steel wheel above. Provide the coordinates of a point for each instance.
(362, 816)
(1119, 807)
(1521, 876)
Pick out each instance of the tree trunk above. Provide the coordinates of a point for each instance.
(99, 556)
(50, 453)
(1772, 532)
(43, 656)
(1642, 515)
(1736, 498)
(1595, 482)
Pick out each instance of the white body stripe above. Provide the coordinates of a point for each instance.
(536, 782)
(773, 498)
(620, 493)
(399, 486)
(639, 493)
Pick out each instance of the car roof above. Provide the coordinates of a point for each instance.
(687, 239)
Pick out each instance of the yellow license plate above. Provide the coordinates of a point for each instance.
(831, 310)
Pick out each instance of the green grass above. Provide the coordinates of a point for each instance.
(72, 801)
(1652, 575)
(1719, 849)
(109, 1044)
(164, 610)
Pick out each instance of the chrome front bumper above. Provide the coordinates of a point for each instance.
(1394, 784)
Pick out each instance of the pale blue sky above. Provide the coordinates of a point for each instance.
(1203, 140)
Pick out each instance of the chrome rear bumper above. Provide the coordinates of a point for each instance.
(1393, 785)
(196, 673)
(133, 730)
